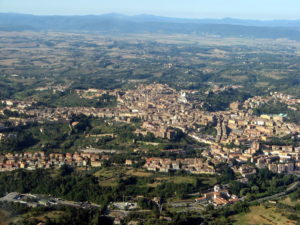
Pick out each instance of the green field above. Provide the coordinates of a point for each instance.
(109, 177)
(259, 215)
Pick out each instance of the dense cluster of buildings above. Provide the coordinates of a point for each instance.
(192, 165)
(240, 135)
(163, 108)
(239, 131)
(32, 161)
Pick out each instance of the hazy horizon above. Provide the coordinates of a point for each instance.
(144, 14)
(192, 9)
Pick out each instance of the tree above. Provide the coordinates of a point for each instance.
(227, 173)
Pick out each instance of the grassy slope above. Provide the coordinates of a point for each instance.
(260, 215)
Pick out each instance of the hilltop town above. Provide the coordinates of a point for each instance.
(240, 136)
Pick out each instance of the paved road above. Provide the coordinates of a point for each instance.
(276, 196)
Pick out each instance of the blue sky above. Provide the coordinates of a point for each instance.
(246, 9)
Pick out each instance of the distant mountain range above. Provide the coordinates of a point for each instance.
(118, 24)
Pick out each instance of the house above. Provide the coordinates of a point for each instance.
(128, 162)
(96, 164)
